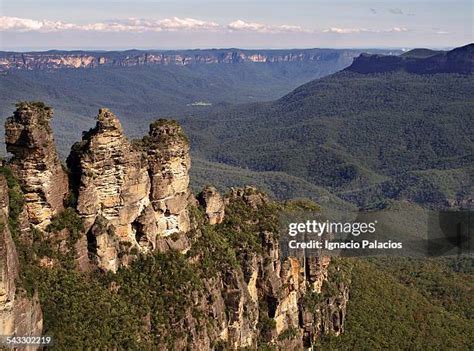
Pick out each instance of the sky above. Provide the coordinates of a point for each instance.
(182, 24)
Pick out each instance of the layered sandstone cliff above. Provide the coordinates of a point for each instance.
(35, 162)
(130, 195)
(213, 204)
(86, 59)
(113, 180)
(168, 163)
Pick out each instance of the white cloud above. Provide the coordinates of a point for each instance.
(337, 30)
(344, 30)
(141, 25)
(136, 25)
(397, 29)
(240, 25)
(129, 25)
(25, 24)
(177, 23)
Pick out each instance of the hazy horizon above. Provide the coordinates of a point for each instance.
(98, 49)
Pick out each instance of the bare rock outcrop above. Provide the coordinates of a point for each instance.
(112, 176)
(8, 256)
(130, 194)
(19, 314)
(111, 182)
(213, 204)
(169, 163)
(35, 162)
(250, 195)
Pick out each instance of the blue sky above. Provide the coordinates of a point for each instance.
(125, 24)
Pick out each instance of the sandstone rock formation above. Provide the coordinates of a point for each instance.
(250, 195)
(112, 175)
(35, 161)
(8, 256)
(130, 193)
(213, 204)
(169, 163)
(19, 315)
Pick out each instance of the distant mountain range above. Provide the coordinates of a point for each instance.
(55, 59)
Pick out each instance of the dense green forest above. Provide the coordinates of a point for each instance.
(363, 137)
(277, 185)
(408, 304)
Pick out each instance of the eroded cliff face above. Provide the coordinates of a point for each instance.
(132, 201)
(113, 176)
(263, 298)
(35, 162)
(19, 314)
(112, 187)
(130, 195)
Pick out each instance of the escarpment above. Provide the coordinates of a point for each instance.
(264, 298)
(201, 272)
(10, 61)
